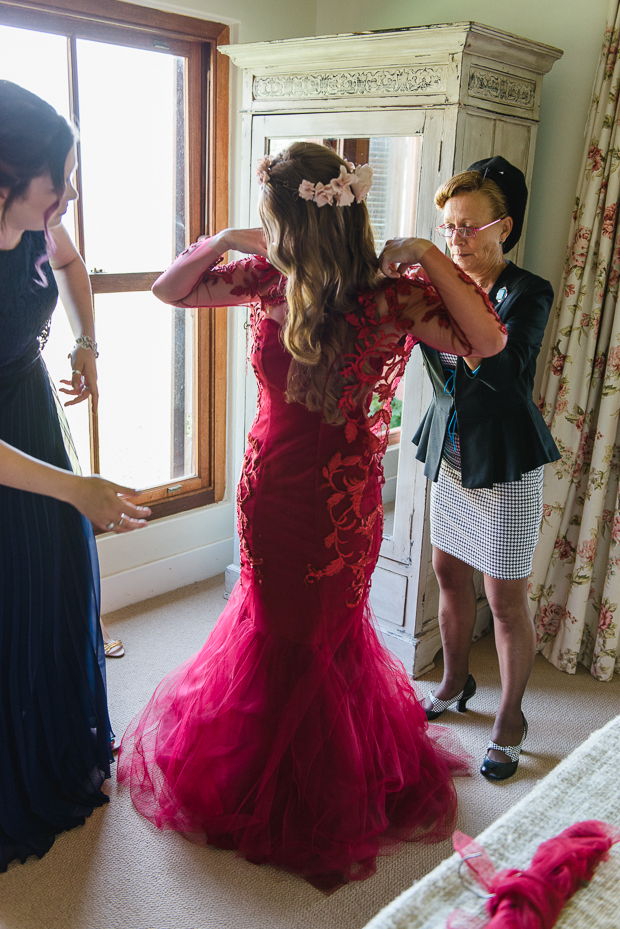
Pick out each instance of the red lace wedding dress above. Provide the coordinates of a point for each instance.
(294, 736)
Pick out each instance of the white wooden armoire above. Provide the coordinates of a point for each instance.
(420, 104)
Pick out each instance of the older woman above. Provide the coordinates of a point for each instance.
(484, 444)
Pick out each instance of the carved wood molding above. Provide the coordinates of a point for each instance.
(502, 88)
(354, 83)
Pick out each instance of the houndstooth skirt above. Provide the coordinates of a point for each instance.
(495, 530)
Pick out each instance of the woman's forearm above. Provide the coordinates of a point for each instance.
(75, 293)
(22, 472)
(186, 271)
(101, 501)
(476, 323)
(73, 283)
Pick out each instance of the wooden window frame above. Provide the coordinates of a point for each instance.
(208, 105)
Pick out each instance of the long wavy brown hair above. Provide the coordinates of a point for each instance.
(328, 257)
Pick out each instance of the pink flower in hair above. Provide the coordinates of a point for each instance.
(343, 196)
(306, 190)
(341, 185)
(363, 182)
(323, 194)
(262, 170)
(348, 187)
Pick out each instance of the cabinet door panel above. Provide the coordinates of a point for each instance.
(475, 140)
(388, 595)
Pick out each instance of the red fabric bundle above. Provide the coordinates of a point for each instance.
(533, 899)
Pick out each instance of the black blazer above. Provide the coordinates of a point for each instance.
(502, 432)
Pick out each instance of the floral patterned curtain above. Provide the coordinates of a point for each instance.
(575, 584)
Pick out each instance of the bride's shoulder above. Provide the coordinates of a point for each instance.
(266, 270)
(259, 265)
(388, 294)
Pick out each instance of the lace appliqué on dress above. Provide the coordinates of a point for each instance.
(419, 276)
(251, 464)
(373, 369)
(261, 283)
(264, 286)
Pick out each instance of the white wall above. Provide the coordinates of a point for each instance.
(189, 547)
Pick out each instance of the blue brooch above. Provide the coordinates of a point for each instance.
(502, 293)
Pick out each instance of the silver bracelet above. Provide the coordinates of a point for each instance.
(85, 341)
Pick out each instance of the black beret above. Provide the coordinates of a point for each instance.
(511, 182)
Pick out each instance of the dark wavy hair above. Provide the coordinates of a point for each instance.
(34, 140)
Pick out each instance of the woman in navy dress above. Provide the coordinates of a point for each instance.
(55, 734)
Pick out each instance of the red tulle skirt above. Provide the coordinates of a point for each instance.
(314, 758)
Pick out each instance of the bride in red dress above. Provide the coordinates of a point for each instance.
(294, 736)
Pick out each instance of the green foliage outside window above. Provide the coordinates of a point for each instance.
(397, 409)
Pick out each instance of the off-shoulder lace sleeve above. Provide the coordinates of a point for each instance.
(449, 311)
(412, 309)
(372, 370)
(248, 281)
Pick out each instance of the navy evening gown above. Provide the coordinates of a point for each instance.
(54, 726)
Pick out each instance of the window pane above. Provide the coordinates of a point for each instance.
(38, 62)
(392, 204)
(147, 389)
(132, 127)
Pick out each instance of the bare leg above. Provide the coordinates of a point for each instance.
(457, 617)
(516, 645)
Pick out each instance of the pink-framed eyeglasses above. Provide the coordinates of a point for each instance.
(465, 232)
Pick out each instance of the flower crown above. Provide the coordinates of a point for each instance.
(352, 184)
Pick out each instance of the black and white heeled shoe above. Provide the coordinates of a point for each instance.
(500, 770)
(439, 706)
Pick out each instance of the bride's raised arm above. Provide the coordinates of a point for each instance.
(449, 312)
(193, 280)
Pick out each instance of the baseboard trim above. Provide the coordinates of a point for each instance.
(158, 577)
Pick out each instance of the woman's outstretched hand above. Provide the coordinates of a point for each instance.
(105, 503)
(400, 254)
(83, 383)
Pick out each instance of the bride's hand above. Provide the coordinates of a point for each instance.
(400, 254)
(248, 241)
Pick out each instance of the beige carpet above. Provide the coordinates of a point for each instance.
(119, 872)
